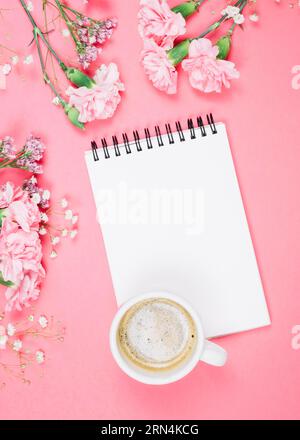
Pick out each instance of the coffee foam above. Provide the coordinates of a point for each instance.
(157, 334)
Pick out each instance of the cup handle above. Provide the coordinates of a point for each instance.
(213, 354)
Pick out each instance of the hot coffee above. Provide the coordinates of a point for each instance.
(157, 334)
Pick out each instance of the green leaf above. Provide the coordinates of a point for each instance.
(5, 283)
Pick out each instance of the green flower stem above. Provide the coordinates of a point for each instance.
(77, 13)
(8, 163)
(12, 163)
(70, 111)
(80, 15)
(45, 74)
(67, 21)
(217, 24)
(38, 33)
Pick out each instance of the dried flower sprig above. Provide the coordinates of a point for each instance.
(58, 221)
(93, 98)
(26, 215)
(27, 158)
(18, 343)
(88, 34)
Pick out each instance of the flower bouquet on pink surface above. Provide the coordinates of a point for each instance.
(27, 217)
(87, 98)
(204, 61)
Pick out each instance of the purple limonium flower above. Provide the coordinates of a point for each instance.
(34, 148)
(7, 148)
(91, 34)
(41, 196)
(30, 165)
(88, 56)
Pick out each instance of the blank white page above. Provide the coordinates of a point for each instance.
(173, 220)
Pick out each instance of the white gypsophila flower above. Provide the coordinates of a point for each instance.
(3, 341)
(55, 240)
(30, 318)
(239, 19)
(74, 219)
(6, 69)
(64, 203)
(15, 59)
(65, 32)
(29, 6)
(73, 233)
(56, 100)
(68, 214)
(254, 17)
(40, 357)
(44, 217)
(53, 254)
(11, 329)
(17, 345)
(231, 11)
(28, 59)
(46, 194)
(42, 230)
(43, 321)
(36, 198)
(64, 232)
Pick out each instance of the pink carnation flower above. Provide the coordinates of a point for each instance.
(159, 68)
(28, 290)
(159, 23)
(101, 101)
(206, 72)
(20, 263)
(25, 213)
(19, 207)
(9, 193)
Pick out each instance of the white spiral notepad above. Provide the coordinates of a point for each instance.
(172, 219)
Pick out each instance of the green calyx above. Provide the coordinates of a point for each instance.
(187, 8)
(73, 115)
(5, 283)
(224, 45)
(79, 78)
(2, 216)
(179, 52)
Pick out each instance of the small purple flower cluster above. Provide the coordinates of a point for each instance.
(32, 153)
(7, 148)
(39, 195)
(91, 34)
(27, 158)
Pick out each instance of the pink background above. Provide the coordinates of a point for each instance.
(81, 380)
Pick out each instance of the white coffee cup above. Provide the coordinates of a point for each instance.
(204, 350)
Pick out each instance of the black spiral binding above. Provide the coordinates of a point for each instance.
(149, 138)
